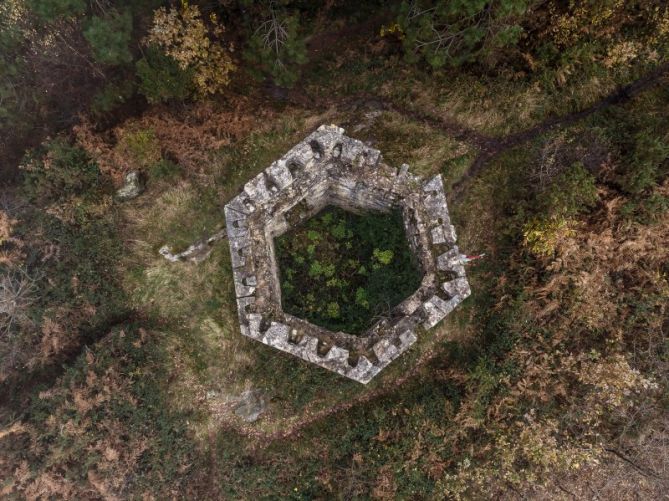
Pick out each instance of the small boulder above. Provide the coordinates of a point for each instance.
(250, 405)
(132, 188)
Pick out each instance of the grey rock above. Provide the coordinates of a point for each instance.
(132, 188)
(250, 405)
(385, 351)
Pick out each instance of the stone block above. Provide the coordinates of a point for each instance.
(254, 321)
(457, 287)
(364, 371)
(436, 309)
(438, 235)
(407, 338)
(277, 335)
(242, 204)
(243, 307)
(257, 189)
(385, 351)
(245, 282)
(338, 354)
(279, 174)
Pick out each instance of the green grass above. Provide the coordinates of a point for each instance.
(497, 103)
(401, 140)
(163, 384)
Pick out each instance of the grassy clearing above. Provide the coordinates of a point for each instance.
(197, 360)
(195, 304)
(494, 104)
(401, 140)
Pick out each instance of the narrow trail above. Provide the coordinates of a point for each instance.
(489, 146)
(497, 146)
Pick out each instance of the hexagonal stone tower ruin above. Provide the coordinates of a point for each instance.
(328, 168)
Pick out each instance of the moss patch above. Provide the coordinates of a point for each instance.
(343, 271)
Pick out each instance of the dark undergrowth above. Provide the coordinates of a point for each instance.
(344, 271)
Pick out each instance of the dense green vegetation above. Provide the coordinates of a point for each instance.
(120, 370)
(345, 271)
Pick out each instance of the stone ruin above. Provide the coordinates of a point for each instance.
(329, 168)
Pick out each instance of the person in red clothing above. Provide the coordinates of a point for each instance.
(465, 259)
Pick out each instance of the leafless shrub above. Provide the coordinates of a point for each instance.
(273, 32)
(17, 294)
(549, 165)
(562, 150)
(17, 290)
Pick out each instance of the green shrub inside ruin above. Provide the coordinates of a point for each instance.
(344, 271)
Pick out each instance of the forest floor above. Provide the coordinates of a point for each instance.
(149, 398)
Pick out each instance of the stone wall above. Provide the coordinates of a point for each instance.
(329, 168)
